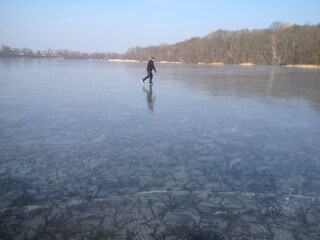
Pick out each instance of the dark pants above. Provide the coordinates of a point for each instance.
(150, 75)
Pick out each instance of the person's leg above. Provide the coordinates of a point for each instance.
(146, 77)
(151, 76)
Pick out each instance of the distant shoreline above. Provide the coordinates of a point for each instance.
(308, 66)
(122, 60)
(312, 66)
(305, 66)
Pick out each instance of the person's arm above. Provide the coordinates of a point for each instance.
(154, 67)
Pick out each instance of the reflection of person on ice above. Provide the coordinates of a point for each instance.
(150, 67)
(150, 98)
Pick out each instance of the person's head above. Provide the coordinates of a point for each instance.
(152, 58)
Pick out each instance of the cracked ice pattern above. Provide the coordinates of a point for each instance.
(227, 152)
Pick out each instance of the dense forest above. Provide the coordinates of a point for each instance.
(280, 44)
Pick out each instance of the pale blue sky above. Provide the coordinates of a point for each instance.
(114, 26)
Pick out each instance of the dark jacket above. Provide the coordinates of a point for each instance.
(151, 66)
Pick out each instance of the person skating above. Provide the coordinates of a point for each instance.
(150, 67)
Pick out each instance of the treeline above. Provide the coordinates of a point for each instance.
(281, 44)
(7, 51)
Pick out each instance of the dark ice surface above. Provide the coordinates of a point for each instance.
(208, 152)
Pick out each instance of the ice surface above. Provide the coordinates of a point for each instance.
(208, 152)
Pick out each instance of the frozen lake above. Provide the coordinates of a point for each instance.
(208, 152)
